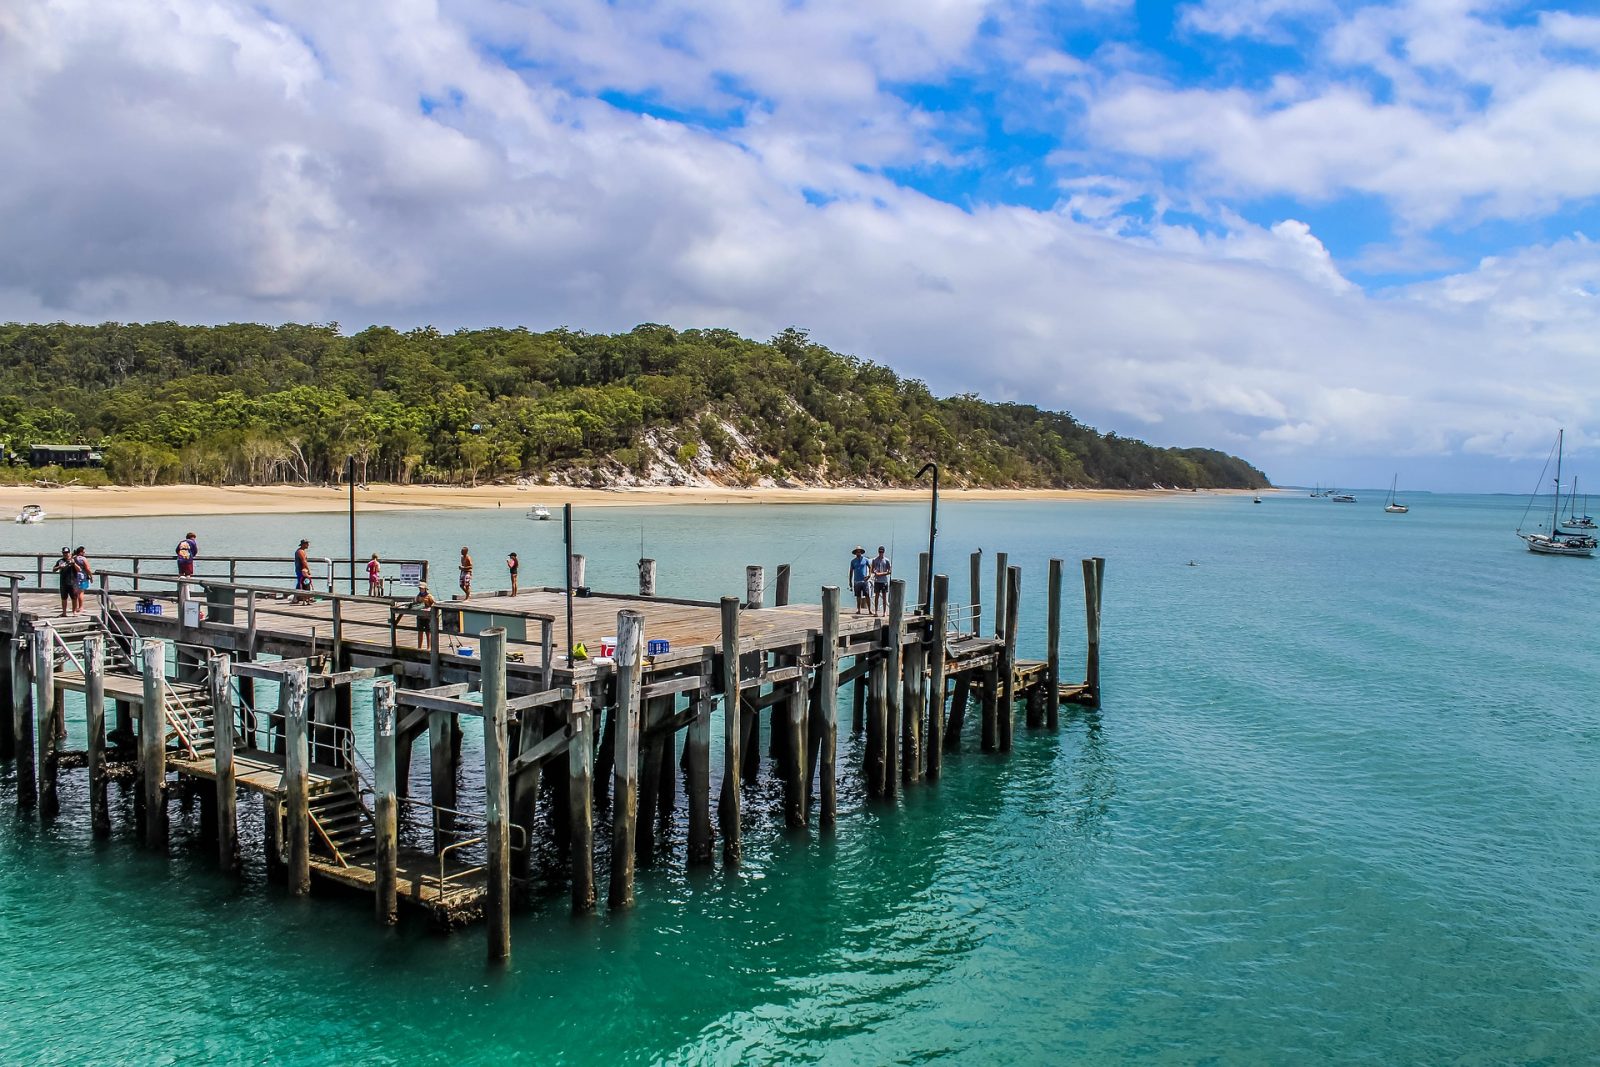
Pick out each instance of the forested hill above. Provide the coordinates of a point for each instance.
(249, 403)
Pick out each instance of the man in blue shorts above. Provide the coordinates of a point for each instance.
(858, 579)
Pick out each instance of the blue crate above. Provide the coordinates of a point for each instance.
(657, 646)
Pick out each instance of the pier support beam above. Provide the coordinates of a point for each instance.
(828, 698)
(780, 593)
(732, 730)
(795, 779)
(938, 625)
(94, 705)
(442, 769)
(1001, 572)
(960, 697)
(8, 721)
(877, 722)
(153, 746)
(911, 725)
(625, 789)
(755, 586)
(219, 673)
(580, 791)
(1094, 573)
(21, 657)
(578, 569)
(653, 744)
(697, 757)
(386, 805)
(894, 686)
(1008, 666)
(1052, 650)
(975, 591)
(297, 800)
(497, 790)
(991, 704)
(49, 714)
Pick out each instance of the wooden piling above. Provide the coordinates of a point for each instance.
(94, 705)
(21, 657)
(938, 626)
(960, 697)
(755, 586)
(780, 594)
(1008, 668)
(877, 722)
(580, 791)
(1094, 573)
(497, 793)
(732, 729)
(1052, 651)
(858, 703)
(49, 715)
(647, 577)
(911, 713)
(578, 569)
(8, 721)
(652, 743)
(975, 591)
(894, 686)
(219, 677)
(297, 800)
(385, 804)
(442, 766)
(153, 746)
(828, 697)
(625, 790)
(795, 813)
(1001, 572)
(990, 706)
(697, 756)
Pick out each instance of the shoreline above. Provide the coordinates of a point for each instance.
(86, 502)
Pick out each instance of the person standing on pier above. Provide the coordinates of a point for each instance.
(80, 557)
(466, 573)
(424, 602)
(67, 577)
(302, 574)
(187, 552)
(374, 576)
(858, 579)
(881, 569)
(513, 565)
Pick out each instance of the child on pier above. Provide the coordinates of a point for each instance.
(374, 576)
(425, 602)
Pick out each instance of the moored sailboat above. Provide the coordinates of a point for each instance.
(1393, 506)
(1574, 521)
(1555, 542)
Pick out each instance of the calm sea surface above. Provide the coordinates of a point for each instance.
(1340, 806)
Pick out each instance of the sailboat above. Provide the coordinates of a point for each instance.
(1574, 521)
(1393, 506)
(1556, 543)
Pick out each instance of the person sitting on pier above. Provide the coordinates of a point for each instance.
(466, 574)
(302, 575)
(858, 579)
(374, 576)
(67, 576)
(881, 569)
(424, 602)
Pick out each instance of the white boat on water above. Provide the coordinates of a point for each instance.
(1342, 498)
(539, 512)
(1555, 541)
(30, 514)
(1575, 522)
(1393, 506)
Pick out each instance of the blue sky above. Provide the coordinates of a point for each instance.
(1340, 239)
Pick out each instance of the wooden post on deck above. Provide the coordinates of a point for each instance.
(975, 592)
(1052, 651)
(497, 790)
(22, 721)
(625, 790)
(697, 756)
(1000, 579)
(728, 808)
(828, 695)
(297, 800)
(49, 714)
(755, 586)
(580, 790)
(894, 686)
(1008, 668)
(1094, 574)
(579, 569)
(939, 623)
(94, 706)
(385, 804)
(219, 676)
(780, 595)
(647, 577)
(153, 745)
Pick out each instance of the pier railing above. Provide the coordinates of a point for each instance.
(141, 568)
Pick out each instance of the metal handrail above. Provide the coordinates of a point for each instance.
(205, 565)
(518, 831)
(62, 644)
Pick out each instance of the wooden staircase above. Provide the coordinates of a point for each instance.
(344, 830)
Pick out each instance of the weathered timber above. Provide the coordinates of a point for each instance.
(894, 687)
(21, 657)
(1094, 572)
(935, 704)
(219, 678)
(625, 790)
(94, 704)
(497, 789)
(1052, 648)
(1008, 696)
(153, 747)
(732, 729)
(580, 792)
(386, 805)
(697, 757)
(49, 707)
(828, 698)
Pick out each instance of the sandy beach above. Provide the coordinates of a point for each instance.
(132, 502)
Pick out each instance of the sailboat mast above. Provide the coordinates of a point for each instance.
(1555, 509)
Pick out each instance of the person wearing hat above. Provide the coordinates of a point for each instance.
(424, 602)
(858, 579)
(66, 570)
(302, 574)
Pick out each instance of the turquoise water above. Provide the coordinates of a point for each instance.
(1338, 807)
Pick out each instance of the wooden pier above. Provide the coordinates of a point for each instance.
(568, 727)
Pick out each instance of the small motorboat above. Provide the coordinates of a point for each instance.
(1342, 498)
(539, 512)
(1257, 500)
(30, 514)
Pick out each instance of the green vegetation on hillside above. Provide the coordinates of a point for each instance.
(249, 403)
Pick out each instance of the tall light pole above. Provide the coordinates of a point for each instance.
(933, 521)
(350, 477)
